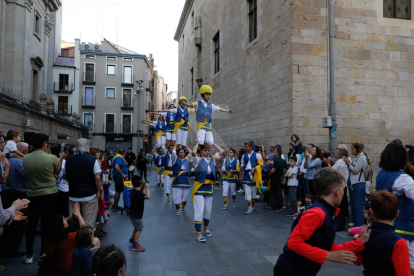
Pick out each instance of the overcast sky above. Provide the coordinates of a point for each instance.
(144, 26)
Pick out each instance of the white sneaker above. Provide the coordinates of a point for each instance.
(28, 260)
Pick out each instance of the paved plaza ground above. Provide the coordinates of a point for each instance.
(240, 244)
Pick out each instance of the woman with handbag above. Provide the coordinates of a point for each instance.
(356, 183)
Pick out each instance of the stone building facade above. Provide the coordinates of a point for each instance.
(272, 70)
(30, 34)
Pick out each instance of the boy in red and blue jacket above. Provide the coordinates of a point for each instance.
(385, 253)
(311, 241)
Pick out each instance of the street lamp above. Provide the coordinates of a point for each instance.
(139, 88)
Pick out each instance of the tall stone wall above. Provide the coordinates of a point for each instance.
(374, 74)
(255, 78)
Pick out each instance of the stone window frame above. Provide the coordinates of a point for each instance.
(93, 119)
(37, 25)
(122, 122)
(107, 66)
(252, 15)
(106, 92)
(393, 13)
(111, 58)
(216, 52)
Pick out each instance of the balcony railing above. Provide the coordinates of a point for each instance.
(88, 102)
(127, 128)
(63, 87)
(89, 77)
(63, 109)
(109, 128)
(127, 80)
(128, 105)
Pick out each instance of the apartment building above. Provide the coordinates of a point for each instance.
(172, 98)
(115, 94)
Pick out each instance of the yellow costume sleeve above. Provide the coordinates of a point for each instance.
(194, 104)
(258, 177)
(192, 111)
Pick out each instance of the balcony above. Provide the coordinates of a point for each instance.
(128, 105)
(88, 102)
(63, 87)
(63, 109)
(109, 128)
(150, 87)
(127, 80)
(89, 78)
(127, 128)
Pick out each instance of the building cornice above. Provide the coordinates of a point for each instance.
(184, 15)
(116, 55)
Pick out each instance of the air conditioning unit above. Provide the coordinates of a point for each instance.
(87, 47)
(97, 48)
(29, 123)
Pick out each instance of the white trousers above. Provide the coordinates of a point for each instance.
(167, 184)
(204, 136)
(180, 194)
(250, 192)
(170, 136)
(227, 186)
(182, 137)
(202, 207)
(160, 141)
(159, 178)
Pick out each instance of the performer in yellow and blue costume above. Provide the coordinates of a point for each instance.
(251, 167)
(230, 170)
(159, 168)
(181, 179)
(204, 110)
(202, 195)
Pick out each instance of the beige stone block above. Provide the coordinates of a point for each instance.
(410, 41)
(382, 65)
(342, 35)
(364, 53)
(394, 56)
(302, 49)
(404, 32)
(356, 73)
(308, 40)
(380, 46)
(402, 100)
(355, 139)
(389, 75)
(385, 100)
(318, 50)
(343, 98)
(376, 54)
(358, 44)
(374, 116)
(297, 39)
(379, 39)
(403, 76)
(358, 36)
(305, 32)
(367, 99)
(349, 52)
(391, 30)
(405, 92)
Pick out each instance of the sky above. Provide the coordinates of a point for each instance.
(143, 26)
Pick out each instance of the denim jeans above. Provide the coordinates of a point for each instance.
(357, 197)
